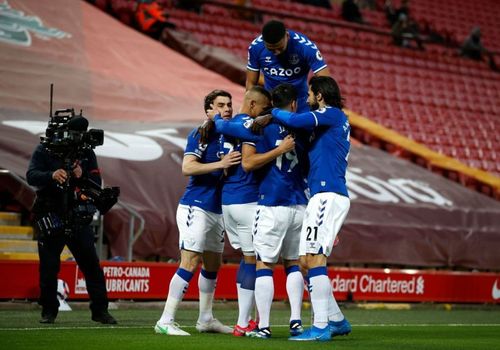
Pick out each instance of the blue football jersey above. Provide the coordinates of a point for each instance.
(293, 66)
(239, 186)
(282, 181)
(204, 191)
(329, 147)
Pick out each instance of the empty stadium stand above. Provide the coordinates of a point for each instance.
(450, 104)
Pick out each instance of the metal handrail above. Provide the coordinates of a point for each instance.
(132, 238)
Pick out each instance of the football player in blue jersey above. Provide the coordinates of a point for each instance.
(239, 200)
(278, 219)
(284, 56)
(200, 223)
(329, 203)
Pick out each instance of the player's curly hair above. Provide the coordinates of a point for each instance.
(210, 98)
(329, 89)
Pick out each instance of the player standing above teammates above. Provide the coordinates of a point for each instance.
(284, 56)
(279, 215)
(329, 203)
(239, 200)
(200, 223)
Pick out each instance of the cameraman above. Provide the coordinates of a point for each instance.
(57, 196)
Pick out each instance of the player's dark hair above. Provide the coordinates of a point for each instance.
(329, 89)
(283, 95)
(210, 98)
(259, 89)
(273, 31)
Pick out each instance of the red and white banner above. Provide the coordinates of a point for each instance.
(151, 280)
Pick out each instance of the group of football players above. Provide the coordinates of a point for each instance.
(273, 178)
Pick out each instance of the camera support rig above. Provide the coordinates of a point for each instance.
(67, 139)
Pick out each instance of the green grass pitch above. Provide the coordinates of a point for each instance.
(421, 328)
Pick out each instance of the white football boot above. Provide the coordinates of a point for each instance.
(169, 329)
(213, 326)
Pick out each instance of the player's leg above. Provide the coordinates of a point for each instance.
(238, 224)
(269, 230)
(245, 233)
(212, 260)
(246, 295)
(193, 224)
(294, 277)
(337, 210)
(324, 216)
(264, 293)
(206, 284)
(295, 292)
(176, 290)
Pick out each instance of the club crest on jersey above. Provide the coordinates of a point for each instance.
(294, 59)
(268, 59)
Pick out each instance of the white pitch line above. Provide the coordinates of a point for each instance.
(50, 328)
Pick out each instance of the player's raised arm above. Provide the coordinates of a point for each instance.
(295, 120)
(252, 79)
(253, 66)
(308, 120)
(325, 72)
(235, 128)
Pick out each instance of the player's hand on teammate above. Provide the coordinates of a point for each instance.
(288, 144)
(205, 129)
(260, 123)
(230, 159)
(212, 112)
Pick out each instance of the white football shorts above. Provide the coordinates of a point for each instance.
(276, 232)
(238, 221)
(323, 219)
(200, 230)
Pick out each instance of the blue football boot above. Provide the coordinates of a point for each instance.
(340, 328)
(314, 334)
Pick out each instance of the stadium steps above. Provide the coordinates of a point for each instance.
(66, 255)
(16, 241)
(14, 245)
(16, 232)
(10, 219)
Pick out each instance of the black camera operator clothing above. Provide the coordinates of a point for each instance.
(78, 237)
(49, 194)
(81, 245)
